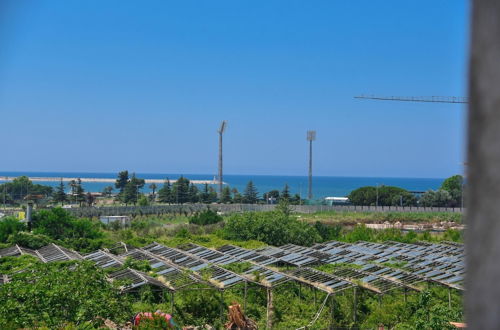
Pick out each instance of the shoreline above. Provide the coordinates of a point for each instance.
(103, 180)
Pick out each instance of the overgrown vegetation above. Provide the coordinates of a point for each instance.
(294, 306)
(56, 294)
(206, 217)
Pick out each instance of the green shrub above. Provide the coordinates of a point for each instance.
(328, 232)
(10, 226)
(274, 228)
(60, 224)
(55, 294)
(207, 217)
(29, 240)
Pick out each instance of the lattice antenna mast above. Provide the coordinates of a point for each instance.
(311, 136)
(221, 131)
(431, 99)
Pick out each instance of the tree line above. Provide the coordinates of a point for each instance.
(450, 194)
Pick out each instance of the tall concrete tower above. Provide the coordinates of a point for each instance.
(311, 136)
(221, 130)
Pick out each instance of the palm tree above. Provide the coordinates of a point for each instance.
(153, 187)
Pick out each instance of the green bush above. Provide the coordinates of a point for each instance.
(387, 196)
(29, 240)
(328, 233)
(274, 228)
(60, 224)
(10, 226)
(207, 217)
(55, 294)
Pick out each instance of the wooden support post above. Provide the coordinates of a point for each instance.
(172, 302)
(300, 291)
(405, 299)
(332, 310)
(245, 298)
(270, 309)
(449, 298)
(379, 300)
(314, 297)
(222, 305)
(355, 307)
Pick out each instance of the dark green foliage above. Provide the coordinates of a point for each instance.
(121, 181)
(207, 217)
(79, 192)
(205, 194)
(285, 194)
(165, 193)
(436, 198)
(12, 265)
(180, 191)
(59, 196)
(22, 186)
(387, 196)
(328, 232)
(251, 195)
(153, 188)
(107, 191)
(55, 294)
(296, 200)
(454, 186)
(274, 228)
(226, 195)
(238, 267)
(271, 196)
(130, 192)
(29, 240)
(10, 226)
(194, 196)
(143, 201)
(237, 198)
(141, 265)
(58, 224)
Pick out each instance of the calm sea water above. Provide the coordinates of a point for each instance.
(323, 186)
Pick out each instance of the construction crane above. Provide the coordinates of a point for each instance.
(432, 99)
(221, 131)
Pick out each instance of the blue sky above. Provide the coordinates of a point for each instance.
(99, 86)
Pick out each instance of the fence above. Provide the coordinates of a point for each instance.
(232, 208)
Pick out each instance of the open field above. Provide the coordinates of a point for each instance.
(352, 218)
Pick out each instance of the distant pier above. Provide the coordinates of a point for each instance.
(103, 180)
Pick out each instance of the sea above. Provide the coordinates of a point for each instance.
(323, 186)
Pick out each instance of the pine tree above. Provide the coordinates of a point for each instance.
(165, 193)
(237, 198)
(180, 190)
(251, 195)
(193, 194)
(129, 194)
(79, 192)
(205, 195)
(121, 181)
(212, 195)
(226, 195)
(285, 194)
(131, 190)
(59, 194)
